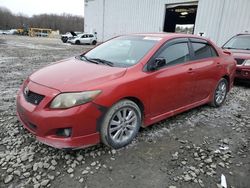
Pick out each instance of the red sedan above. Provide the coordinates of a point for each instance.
(239, 45)
(108, 93)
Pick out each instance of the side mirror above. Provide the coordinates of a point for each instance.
(157, 63)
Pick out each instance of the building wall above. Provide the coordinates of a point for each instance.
(219, 19)
(93, 17)
(125, 16)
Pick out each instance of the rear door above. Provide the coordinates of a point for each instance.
(207, 66)
(172, 86)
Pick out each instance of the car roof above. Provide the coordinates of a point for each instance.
(87, 34)
(169, 35)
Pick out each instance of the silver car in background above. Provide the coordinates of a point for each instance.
(85, 38)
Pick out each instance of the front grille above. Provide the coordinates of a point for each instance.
(33, 98)
(238, 72)
(240, 61)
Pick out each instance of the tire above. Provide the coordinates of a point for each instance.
(78, 42)
(220, 93)
(116, 131)
(94, 42)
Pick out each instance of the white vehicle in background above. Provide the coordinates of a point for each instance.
(8, 32)
(85, 38)
(70, 34)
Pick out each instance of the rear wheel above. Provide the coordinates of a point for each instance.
(121, 124)
(220, 93)
(94, 42)
(77, 42)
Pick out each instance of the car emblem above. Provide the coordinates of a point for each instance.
(26, 91)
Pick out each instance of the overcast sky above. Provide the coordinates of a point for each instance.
(31, 7)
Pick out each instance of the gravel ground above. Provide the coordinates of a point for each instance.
(192, 149)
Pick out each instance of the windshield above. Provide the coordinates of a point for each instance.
(241, 42)
(123, 51)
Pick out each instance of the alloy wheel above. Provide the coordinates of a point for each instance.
(123, 124)
(221, 92)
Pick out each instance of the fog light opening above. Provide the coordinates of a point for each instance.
(64, 132)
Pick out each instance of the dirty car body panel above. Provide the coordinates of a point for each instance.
(189, 78)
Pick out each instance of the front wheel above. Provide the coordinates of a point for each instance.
(220, 93)
(121, 124)
(77, 42)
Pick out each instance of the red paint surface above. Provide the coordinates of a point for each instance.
(163, 93)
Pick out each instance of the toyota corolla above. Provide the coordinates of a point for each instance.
(108, 93)
(239, 46)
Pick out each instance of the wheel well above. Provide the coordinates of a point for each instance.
(228, 80)
(138, 102)
(104, 109)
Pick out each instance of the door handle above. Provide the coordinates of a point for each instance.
(190, 70)
(219, 64)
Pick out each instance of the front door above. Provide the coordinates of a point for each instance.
(172, 86)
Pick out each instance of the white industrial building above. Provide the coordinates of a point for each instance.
(216, 19)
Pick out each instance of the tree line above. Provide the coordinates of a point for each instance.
(63, 23)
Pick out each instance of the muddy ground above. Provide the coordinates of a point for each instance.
(192, 149)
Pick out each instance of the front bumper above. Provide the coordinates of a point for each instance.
(243, 73)
(44, 122)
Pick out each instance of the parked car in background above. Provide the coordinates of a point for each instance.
(132, 81)
(239, 45)
(68, 35)
(8, 32)
(85, 38)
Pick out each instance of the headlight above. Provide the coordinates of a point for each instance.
(247, 62)
(67, 100)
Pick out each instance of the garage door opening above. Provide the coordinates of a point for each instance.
(180, 18)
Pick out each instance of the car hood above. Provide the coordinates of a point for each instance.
(75, 75)
(241, 54)
(73, 33)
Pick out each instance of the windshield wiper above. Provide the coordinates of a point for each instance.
(229, 48)
(81, 57)
(96, 60)
(236, 48)
(103, 61)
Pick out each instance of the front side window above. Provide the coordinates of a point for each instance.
(123, 51)
(203, 50)
(176, 54)
(240, 42)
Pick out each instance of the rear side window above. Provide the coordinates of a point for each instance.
(91, 36)
(202, 51)
(176, 54)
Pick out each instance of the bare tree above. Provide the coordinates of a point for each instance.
(63, 23)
